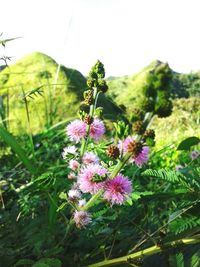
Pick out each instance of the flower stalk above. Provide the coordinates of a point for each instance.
(92, 109)
(147, 252)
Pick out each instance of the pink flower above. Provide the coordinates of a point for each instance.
(97, 129)
(126, 143)
(74, 194)
(90, 177)
(68, 150)
(82, 218)
(142, 157)
(82, 202)
(90, 157)
(194, 154)
(76, 130)
(179, 167)
(117, 189)
(74, 164)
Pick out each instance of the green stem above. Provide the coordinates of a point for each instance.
(92, 109)
(29, 124)
(147, 252)
(118, 167)
(92, 200)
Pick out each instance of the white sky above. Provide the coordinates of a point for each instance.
(126, 35)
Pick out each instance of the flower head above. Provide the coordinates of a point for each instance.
(91, 178)
(194, 154)
(140, 153)
(179, 167)
(82, 202)
(74, 194)
(90, 157)
(69, 150)
(82, 218)
(74, 164)
(97, 129)
(76, 130)
(117, 189)
(142, 157)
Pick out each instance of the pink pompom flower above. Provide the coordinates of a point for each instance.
(90, 157)
(82, 202)
(117, 189)
(97, 129)
(74, 195)
(73, 164)
(90, 178)
(139, 159)
(82, 218)
(194, 155)
(76, 130)
(179, 167)
(143, 156)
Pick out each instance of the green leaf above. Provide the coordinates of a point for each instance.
(63, 196)
(10, 140)
(61, 206)
(48, 262)
(188, 142)
(24, 262)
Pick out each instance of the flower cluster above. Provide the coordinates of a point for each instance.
(76, 130)
(90, 175)
(140, 152)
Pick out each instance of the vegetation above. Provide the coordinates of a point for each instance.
(80, 189)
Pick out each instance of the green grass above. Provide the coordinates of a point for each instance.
(60, 95)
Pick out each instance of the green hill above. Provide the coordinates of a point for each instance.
(127, 91)
(185, 91)
(53, 93)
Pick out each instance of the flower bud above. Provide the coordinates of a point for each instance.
(88, 119)
(102, 86)
(113, 151)
(91, 82)
(149, 133)
(135, 147)
(99, 69)
(88, 96)
(138, 127)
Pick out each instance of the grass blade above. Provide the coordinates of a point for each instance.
(10, 140)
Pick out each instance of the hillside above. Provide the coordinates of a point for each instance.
(52, 96)
(185, 91)
(126, 90)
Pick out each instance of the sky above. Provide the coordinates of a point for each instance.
(126, 35)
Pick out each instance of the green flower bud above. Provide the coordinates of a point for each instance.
(138, 127)
(91, 82)
(99, 69)
(88, 96)
(99, 112)
(102, 86)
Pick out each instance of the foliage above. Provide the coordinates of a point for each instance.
(160, 215)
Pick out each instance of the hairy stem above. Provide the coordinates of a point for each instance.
(147, 252)
(92, 109)
(118, 167)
